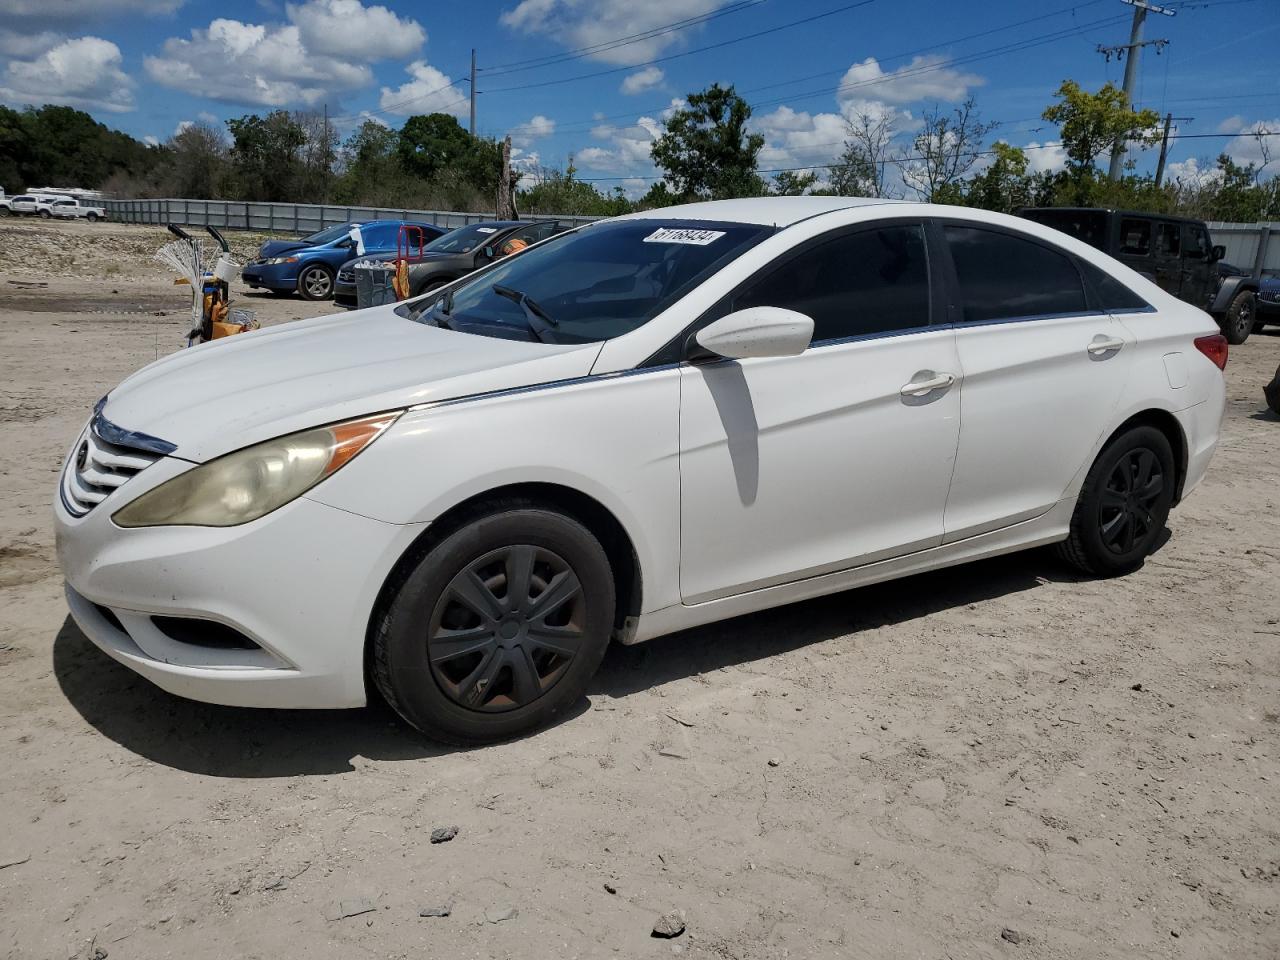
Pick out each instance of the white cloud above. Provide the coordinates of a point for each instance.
(585, 23)
(325, 49)
(1045, 157)
(1231, 124)
(429, 91)
(921, 79)
(627, 150)
(182, 125)
(642, 80)
(1246, 149)
(348, 29)
(84, 72)
(537, 127)
(151, 141)
(1190, 172)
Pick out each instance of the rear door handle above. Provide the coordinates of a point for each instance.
(1101, 344)
(922, 388)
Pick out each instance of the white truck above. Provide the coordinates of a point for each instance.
(70, 208)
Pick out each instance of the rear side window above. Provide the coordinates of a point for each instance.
(872, 281)
(1115, 297)
(1003, 277)
(1135, 237)
(1167, 244)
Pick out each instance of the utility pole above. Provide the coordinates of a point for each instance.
(1132, 51)
(1164, 144)
(473, 91)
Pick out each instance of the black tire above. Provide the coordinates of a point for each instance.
(91, 217)
(1237, 322)
(315, 282)
(469, 677)
(1123, 505)
(45, 214)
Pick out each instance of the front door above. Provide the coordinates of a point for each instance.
(1042, 373)
(1168, 250)
(791, 467)
(1199, 274)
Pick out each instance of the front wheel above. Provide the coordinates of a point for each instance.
(92, 217)
(1123, 504)
(1238, 321)
(45, 214)
(498, 629)
(315, 282)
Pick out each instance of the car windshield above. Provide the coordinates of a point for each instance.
(464, 239)
(328, 235)
(594, 284)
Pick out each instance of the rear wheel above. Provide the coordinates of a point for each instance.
(45, 214)
(498, 629)
(1123, 504)
(1238, 321)
(315, 282)
(92, 217)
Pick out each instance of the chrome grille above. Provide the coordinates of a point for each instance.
(1271, 296)
(96, 469)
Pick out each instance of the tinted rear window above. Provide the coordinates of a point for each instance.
(1004, 277)
(1113, 294)
(1087, 225)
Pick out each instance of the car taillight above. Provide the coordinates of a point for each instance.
(1215, 348)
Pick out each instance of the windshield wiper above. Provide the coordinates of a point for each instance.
(540, 322)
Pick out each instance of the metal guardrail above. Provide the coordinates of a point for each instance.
(298, 218)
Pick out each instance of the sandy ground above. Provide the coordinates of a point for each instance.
(1092, 767)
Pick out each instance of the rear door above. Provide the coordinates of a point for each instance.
(1043, 368)
(1168, 254)
(1134, 245)
(1199, 275)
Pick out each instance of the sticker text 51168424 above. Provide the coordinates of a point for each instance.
(699, 238)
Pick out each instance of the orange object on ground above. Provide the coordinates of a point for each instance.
(400, 282)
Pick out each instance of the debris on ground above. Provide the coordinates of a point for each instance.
(1013, 936)
(443, 834)
(435, 911)
(498, 914)
(669, 925)
(352, 908)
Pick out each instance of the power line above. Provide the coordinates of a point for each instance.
(686, 53)
(607, 45)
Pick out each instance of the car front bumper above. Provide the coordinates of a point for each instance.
(299, 583)
(278, 276)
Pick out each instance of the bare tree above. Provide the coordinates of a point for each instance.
(861, 170)
(947, 149)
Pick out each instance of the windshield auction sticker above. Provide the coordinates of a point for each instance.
(699, 238)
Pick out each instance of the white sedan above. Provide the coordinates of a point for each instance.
(643, 425)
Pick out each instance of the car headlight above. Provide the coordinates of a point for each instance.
(273, 261)
(252, 482)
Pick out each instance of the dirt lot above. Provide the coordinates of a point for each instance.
(994, 761)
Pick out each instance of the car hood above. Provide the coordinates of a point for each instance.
(230, 393)
(278, 248)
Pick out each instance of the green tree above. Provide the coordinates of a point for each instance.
(788, 183)
(706, 151)
(1090, 124)
(267, 156)
(199, 158)
(862, 168)
(561, 192)
(1004, 185)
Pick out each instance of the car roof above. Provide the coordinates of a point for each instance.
(767, 211)
(1146, 214)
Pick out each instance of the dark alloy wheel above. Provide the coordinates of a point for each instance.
(498, 628)
(316, 282)
(1123, 504)
(1239, 319)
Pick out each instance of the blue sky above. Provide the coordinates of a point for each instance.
(553, 75)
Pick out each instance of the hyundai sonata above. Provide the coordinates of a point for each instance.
(642, 425)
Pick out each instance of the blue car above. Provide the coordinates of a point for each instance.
(310, 264)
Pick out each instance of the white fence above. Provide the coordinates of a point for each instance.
(284, 217)
(1250, 246)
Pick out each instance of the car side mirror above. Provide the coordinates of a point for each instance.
(757, 332)
(1219, 252)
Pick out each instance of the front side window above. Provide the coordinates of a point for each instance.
(1197, 245)
(872, 281)
(1004, 277)
(1135, 237)
(593, 284)
(465, 239)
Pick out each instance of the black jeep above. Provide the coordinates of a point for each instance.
(1175, 253)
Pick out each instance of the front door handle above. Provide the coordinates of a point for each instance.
(922, 388)
(1102, 345)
